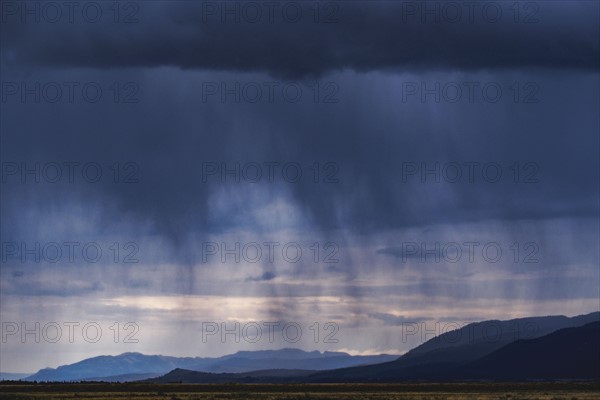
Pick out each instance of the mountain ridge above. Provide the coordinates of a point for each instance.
(134, 363)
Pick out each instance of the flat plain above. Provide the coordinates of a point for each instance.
(404, 391)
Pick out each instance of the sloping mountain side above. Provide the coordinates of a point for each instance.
(475, 340)
(135, 366)
(570, 353)
(460, 346)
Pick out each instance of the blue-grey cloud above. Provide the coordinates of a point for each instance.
(363, 36)
(267, 276)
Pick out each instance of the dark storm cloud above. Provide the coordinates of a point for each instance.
(398, 252)
(267, 276)
(32, 285)
(368, 135)
(362, 36)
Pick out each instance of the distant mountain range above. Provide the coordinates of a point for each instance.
(554, 347)
(136, 366)
(558, 348)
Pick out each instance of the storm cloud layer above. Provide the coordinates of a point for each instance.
(297, 39)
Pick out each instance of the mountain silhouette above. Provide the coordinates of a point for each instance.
(570, 353)
(137, 366)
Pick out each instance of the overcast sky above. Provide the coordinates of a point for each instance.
(364, 164)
